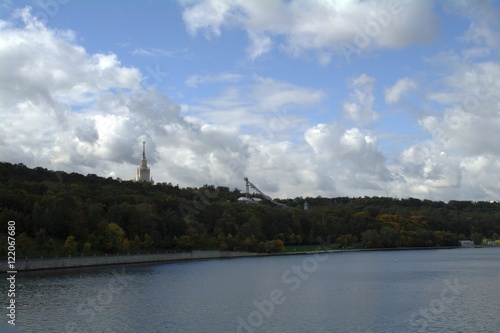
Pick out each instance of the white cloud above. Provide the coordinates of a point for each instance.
(479, 178)
(34, 55)
(195, 81)
(351, 157)
(476, 52)
(465, 133)
(265, 107)
(259, 45)
(152, 52)
(393, 94)
(481, 34)
(272, 95)
(360, 106)
(209, 15)
(66, 109)
(423, 170)
(318, 26)
(155, 52)
(459, 161)
(48, 74)
(430, 167)
(483, 20)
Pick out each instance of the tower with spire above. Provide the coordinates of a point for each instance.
(143, 171)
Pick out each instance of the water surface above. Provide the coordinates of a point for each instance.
(454, 290)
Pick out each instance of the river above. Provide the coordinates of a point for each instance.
(452, 290)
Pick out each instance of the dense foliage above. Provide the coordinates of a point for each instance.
(57, 212)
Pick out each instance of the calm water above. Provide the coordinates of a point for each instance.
(401, 291)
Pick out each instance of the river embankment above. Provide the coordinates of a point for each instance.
(34, 264)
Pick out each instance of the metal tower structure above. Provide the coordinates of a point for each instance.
(247, 197)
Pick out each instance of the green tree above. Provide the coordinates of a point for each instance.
(477, 238)
(279, 245)
(41, 239)
(231, 242)
(225, 224)
(114, 237)
(371, 239)
(221, 242)
(390, 237)
(346, 240)
(252, 227)
(37, 215)
(135, 244)
(49, 246)
(250, 243)
(86, 247)
(126, 245)
(23, 242)
(70, 245)
(148, 242)
(272, 246)
(184, 242)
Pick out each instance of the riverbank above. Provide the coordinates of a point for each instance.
(121, 259)
(35, 264)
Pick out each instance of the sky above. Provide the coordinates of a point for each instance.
(305, 98)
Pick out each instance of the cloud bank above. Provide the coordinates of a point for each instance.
(67, 109)
(324, 28)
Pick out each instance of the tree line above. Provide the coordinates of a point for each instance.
(69, 213)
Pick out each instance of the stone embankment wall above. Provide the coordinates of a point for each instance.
(69, 262)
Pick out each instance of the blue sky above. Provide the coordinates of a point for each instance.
(306, 98)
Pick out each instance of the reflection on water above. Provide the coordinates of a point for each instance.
(397, 291)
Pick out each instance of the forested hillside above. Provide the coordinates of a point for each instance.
(57, 212)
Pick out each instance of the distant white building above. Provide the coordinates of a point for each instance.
(143, 171)
(466, 243)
